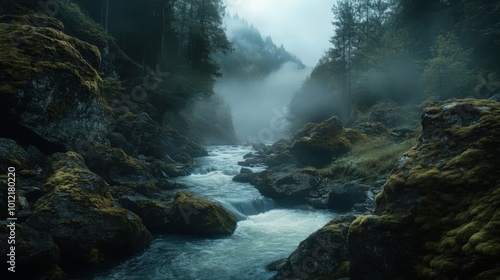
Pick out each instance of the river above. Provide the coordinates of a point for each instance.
(265, 233)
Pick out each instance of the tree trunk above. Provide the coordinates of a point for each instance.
(106, 16)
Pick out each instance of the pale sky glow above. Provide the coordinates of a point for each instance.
(302, 26)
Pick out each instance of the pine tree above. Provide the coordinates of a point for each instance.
(448, 73)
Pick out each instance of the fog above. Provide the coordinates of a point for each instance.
(259, 106)
(303, 27)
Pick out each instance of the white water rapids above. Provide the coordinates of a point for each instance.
(264, 234)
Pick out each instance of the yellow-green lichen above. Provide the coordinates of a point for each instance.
(31, 52)
(448, 188)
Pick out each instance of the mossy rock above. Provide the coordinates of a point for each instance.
(198, 216)
(12, 155)
(40, 50)
(49, 82)
(118, 168)
(153, 213)
(288, 185)
(37, 255)
(320, 144)
(322, 255)
(441, 202)
(78, 211)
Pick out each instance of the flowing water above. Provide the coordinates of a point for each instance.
(264, 234)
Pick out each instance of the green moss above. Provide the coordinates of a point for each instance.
(55, 274)
(341, 272)
(198, 216)
(95, 256)
(82, 26)
(450, 191)
(45, 51)
(33, 20)
(358, 225)
(371, 159)
(112, 89)
(320, 144)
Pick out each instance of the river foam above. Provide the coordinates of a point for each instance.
(264, 233)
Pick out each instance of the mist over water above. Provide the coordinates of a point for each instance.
(264, 233)
(259, 106)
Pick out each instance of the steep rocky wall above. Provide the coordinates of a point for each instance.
(438, 216)
(49, 84)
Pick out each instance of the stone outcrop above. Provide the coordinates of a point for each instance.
(343, 197)
(49, 86)
(197, 216)
(245, 176)
(152, 213)
(437, 216)
(323, 255)
(120, 169)
(36, 254)
(288, 185)
(319, 144)
(78, 212)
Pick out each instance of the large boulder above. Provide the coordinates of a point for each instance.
(323, 255)
(245, 176)
(30, 165)
(288, 185)
(78, 212)
(319, 144)
(197, 216)
(36, 254)
(343, 197)
(153, 213)
(151, 139)
(49, 86)
(12, 155)
(118, 168)
(438, 214)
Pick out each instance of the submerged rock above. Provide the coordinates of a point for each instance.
(437, 216)
(78, 212)
(197, 216)
(246, 176)
(323, 255)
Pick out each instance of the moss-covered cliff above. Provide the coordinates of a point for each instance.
(92, 159)
(438, 214)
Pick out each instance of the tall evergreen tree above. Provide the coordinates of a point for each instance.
(346, 32)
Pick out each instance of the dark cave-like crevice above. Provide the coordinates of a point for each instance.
(11, 129)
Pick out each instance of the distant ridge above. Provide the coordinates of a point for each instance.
(254, 56)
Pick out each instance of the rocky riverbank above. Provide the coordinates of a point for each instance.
(93, 170)
(436, 216)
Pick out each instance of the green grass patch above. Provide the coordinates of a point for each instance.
(368, 160)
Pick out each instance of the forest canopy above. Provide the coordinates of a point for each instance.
(403, 50)
(178, 37)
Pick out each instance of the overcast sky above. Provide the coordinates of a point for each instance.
(302, 26)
